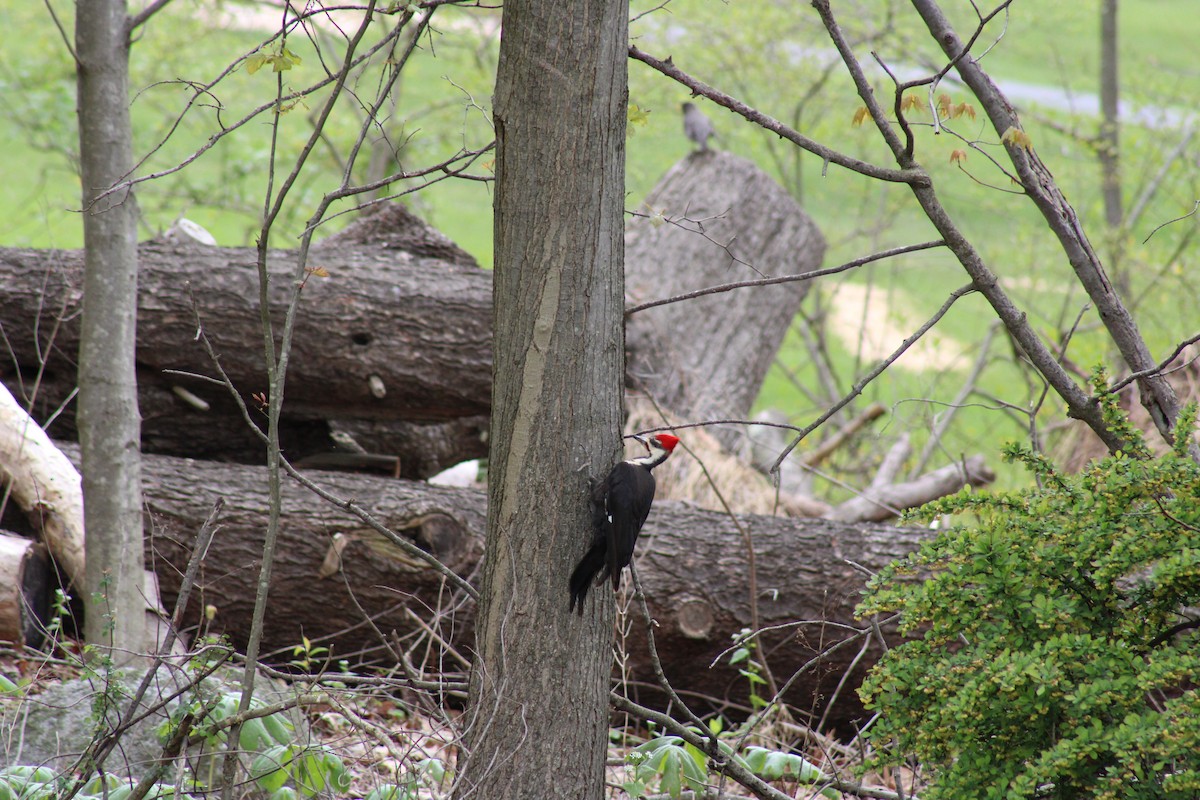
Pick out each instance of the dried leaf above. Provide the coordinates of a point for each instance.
(963, 110)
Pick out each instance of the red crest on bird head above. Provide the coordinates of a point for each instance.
(665, 440)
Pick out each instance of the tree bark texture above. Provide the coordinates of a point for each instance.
(394, 347)
(727, 221)
(334, 573)
(109, 423)
(540, 675)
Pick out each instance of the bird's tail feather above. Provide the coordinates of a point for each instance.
(585, 572)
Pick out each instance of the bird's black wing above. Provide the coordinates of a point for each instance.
(630, 493)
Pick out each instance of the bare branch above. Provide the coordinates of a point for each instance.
(1157, 395)
(820, 273)
(856, 390)
(144, 15)
(1152, 187)
(1195, 208)
(1079, 404)
(815, 457)
(1158, 368)
(943, 421)
(913, 176)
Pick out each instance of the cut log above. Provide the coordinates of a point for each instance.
(26, 583)
(399, 331)
(48, 491)
(394, 347)
(692, 563)
(725, 221)
(44, 484)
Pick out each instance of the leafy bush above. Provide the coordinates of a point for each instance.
(1058, 658)
(678, 766)
(282, 766)
(43, 783)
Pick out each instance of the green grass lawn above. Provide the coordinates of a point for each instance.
(771, 55)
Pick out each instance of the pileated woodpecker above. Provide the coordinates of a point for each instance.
(620, 505)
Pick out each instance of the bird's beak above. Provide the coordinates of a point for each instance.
(642, 439)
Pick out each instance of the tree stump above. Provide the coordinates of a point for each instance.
(714, 219)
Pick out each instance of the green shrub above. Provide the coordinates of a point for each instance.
(1056, 656)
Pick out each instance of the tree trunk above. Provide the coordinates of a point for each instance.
(559, 110)
(1109, 144)
(109, 424)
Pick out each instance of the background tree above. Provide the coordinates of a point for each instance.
(540, 676)
(109, 423)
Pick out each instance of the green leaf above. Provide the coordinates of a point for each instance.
(773, 765)
(635, 789)
(254, 735)
(637, 117)
(318, 770)
(390, 791)
(121, 792)
(278, 728)
(432, 769)
(270, 769)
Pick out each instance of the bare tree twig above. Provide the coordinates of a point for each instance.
(1157, 394)
(943, 421)
(139, 19)
(762, 120)
(1159, 368)
(1151, 189)
(807, 276)
(856, 390)
(814, 457)
(1195, 208)
(1079, 404)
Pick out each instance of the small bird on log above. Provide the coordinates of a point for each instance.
(696, 126)
(620, 505)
